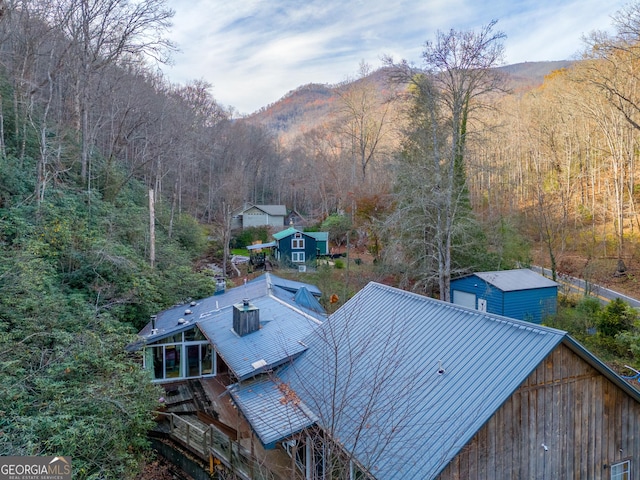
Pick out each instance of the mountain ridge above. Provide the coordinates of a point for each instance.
(308, 105)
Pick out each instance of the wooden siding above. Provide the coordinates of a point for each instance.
(310, 248)
(586, 422)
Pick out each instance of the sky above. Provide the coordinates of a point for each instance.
(253, 52)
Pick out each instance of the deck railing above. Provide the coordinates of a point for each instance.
(212, 444)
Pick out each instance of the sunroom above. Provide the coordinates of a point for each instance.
(180, 355)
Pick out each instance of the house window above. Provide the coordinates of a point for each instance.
(199, 358)
(310, 458)
(172, 357)
(297, 257)
(189, 355)
(297, 242)
(621, 471)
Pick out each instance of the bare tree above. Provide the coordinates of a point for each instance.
(444, 95)
(337, 392)
(363, 118)
(108, 32)
(609, 70)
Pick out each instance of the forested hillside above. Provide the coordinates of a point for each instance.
(84, 134)
(436, 170)
(310, 106)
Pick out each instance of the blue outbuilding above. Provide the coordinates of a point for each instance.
(521, 294)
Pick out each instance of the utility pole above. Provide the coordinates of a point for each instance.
(152, 229)
(226, 236)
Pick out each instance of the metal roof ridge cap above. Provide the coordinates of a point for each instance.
(267, 277)
(297, 310)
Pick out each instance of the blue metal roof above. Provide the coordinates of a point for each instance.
(272, 408)
(304, 298)
(168, 322)
(379, 358)
(518, 279)
(290, 285)
(279, 339)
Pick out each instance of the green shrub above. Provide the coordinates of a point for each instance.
(338, 227)
(248, 236)
(617, 317)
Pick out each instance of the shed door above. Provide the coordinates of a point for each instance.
(464, 299)
(482, 305)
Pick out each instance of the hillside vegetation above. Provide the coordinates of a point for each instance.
(424, 180)
(310, 106)
(75, 286)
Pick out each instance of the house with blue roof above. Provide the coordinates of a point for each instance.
(395, 385)
(208, 337)
(521, 293)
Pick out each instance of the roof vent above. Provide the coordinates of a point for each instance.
(440, 369)
(182, 321)
(193, 304)
(187, 312)
(259, 364)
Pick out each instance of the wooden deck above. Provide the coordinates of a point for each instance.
(210, 444)
(200, 417)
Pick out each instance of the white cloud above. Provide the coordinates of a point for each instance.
(255, 51)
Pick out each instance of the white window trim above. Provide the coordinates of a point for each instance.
(297, 242)
(626, 469)
(297, 257)
(184, 363)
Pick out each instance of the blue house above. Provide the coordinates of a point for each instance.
(298, 247)
(521, 294)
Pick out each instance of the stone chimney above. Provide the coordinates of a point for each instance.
(246, 318)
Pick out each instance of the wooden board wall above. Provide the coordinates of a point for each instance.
(585, 421)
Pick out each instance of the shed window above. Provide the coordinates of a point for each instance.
(297, 257)
(297, 242)
(621, 471)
